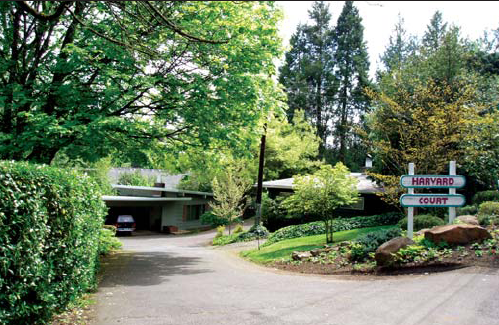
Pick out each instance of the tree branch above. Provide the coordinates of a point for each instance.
(40, 15)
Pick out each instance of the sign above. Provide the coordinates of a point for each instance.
(432, 181)
(432, 200)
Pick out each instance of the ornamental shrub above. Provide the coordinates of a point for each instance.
(489, 209)
(253, 233)
(485, 196)
(50, 221)
(467, 210)
(421, 222)
(341, 224)
(369, 242)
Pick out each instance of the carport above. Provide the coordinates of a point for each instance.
(147, 211)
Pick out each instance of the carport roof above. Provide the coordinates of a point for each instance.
(159, 189)
(111, 198)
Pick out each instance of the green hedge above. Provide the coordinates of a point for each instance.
(50, 222)
(340, 224)
(422, 221)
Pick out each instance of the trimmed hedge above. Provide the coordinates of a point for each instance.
(422, 221)
(340, 224)
(50, 221)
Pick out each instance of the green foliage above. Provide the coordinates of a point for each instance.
(369, 242)
(488, 213)
(467, 210)
(220, 231)
(209, 218)
(322, 193)
(136, 179)
(421, 222)
(484, 196)
(316, 228)
(50, 223)
(103, 77)
(252, 234)
(238, 229)
(108, 241)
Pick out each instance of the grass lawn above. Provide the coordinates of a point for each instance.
(284, 248)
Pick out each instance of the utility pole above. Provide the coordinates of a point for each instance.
(259, 188)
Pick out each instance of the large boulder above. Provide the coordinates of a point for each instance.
(457, 234)
(384, 253)
(469, 220)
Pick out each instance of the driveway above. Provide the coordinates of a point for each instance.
(179, 280)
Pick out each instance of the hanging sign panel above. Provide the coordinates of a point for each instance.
(432, 181)
(433, 200)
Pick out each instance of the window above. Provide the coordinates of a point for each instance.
(193, 212)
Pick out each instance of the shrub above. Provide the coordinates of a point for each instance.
(487, 220)
(489, 208)
(371, 241)
(421, 222)
(467, 210)
(220, 231)
(485, 196)
(108, 241)
(317, 227)
(136, 179)
(252, 234)
(209, 218)
(238, 229)
(50, 221)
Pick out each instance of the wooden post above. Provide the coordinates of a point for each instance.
(410, 210)
(452, 211)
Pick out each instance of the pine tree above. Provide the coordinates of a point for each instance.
(353, 65)
(307, 74)
(435, 32)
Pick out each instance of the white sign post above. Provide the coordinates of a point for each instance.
(410, 210)
(452, 210)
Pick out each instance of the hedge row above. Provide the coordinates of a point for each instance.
(340, 224)
(50, 220)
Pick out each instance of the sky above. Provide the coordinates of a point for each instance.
(379, 19)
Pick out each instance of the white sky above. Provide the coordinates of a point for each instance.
(380, 17)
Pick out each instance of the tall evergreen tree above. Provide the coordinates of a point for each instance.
(435, 32)
(353, 65)
(308, 72)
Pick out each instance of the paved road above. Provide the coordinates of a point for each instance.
(177, 280)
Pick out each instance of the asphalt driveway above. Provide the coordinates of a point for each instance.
(179, 280)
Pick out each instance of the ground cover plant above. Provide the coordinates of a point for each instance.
(253, 233)
(50, 222)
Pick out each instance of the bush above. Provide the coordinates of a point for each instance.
(489, 209)
(422, 221)
(317, 227)
(467, 210)
(50, 223)
(108, 241)
(220, 231)
(487, 220)
(252, 234)
(238, 229)
(485, 196)
(371, 241)
(209, 218)
(136, 179)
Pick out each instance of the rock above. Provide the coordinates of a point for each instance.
(384, 255)
(299, 256)
(422, 231)
(457, 234)
(469, 220)
(316, 252)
